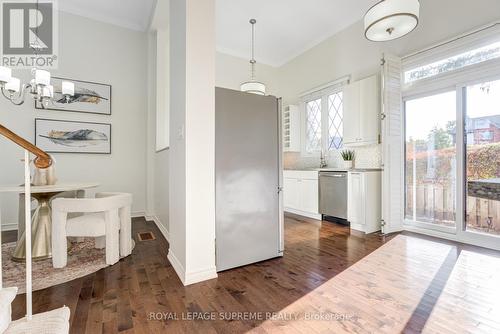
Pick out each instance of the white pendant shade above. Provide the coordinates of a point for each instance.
(253, 87)
(42, 77)
(391, 19)
(5, 74)
(68, 88)
(13, 85)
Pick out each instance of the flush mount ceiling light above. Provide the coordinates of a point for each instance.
(391, 19)
(253, 86)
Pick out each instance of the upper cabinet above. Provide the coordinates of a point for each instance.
(362, 112)
(291, 129)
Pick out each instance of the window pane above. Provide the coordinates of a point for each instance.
(313, 125)
(335, 115)
(468, 58)
(431, 159)
(482, 129)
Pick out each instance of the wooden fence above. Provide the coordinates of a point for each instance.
(435, 203)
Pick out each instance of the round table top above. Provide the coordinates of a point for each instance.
(59, 187)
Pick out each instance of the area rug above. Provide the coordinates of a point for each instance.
(83, 259)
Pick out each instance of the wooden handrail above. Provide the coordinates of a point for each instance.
(42, 159)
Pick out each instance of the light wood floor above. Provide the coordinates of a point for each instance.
(329, 281)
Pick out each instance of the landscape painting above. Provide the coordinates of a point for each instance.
(56, 136)
(89, 97)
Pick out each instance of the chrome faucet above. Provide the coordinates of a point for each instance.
(322, 162)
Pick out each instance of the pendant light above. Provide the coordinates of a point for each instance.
(391, 19)
(253, 86)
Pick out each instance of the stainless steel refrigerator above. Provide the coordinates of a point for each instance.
(248, 173)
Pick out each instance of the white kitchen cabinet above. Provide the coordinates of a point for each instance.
(364, 205)
(355, 198)
(300, 192)
(361, 119)
(291, 128)
(290, 193)
(351, 113)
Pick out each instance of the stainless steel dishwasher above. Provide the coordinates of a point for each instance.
(333, 195)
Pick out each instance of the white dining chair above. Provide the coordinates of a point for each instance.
(105, 218)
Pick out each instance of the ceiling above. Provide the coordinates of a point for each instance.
(132, 14)
(285, 28)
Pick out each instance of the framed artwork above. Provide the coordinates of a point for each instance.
(56, 136)
(89, 97)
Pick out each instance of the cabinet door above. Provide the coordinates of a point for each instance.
(351, 113)
(369, 110)
(355, 194)
(291, 193)
(309, 199)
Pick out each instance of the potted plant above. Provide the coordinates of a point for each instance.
(348, 156)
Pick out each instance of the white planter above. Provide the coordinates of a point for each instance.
(347, 164)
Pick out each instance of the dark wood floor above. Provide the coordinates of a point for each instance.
(123, 297)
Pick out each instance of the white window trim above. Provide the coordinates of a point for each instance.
(321, 92)
(468, 41)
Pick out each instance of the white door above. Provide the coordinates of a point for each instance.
(351, 113)
(392, 146)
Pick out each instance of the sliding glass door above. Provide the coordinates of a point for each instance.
(430, 164)
(482, 162)
(452, 161)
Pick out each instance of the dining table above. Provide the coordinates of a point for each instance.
(41, 220)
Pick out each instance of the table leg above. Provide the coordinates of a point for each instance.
(41, 233)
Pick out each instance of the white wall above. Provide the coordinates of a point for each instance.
(192, 139)
(158, 161)
(99, 52)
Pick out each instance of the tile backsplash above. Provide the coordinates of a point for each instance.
(365, 157)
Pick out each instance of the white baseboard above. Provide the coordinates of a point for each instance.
(200, 276)
(137, 214)
(303, 213)
(160, 226)
(177, 265)
(190, 278)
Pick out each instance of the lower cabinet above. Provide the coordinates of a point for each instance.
(300, 193)
(364, 204)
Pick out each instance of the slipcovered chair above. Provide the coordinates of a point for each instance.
(52, 322)
(106, 218)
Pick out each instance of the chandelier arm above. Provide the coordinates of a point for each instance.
(5, 95)
(21, 96)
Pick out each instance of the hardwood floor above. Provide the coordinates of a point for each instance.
(329, 281)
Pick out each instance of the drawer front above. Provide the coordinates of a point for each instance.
(301, 174)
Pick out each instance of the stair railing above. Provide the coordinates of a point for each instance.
(42, 161)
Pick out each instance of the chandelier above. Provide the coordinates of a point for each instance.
(253, 86)
(39, 87)
(391, 19)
